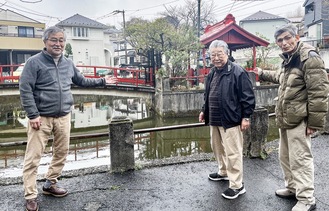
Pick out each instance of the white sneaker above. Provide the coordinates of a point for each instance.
(300, 206)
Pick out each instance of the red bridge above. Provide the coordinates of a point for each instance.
(9, 74)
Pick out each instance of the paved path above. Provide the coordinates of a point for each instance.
(181, 187)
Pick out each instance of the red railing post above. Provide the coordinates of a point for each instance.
(95, 73)
(1, 80)
(135, 75)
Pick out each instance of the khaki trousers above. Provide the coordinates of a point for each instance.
(36, 143)
(296, 160)
(227, 146)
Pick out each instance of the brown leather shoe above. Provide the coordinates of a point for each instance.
(32, 205)
(54, 190)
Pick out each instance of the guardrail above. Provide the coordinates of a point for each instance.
(96, 145)
(106, 134)
(123, 140)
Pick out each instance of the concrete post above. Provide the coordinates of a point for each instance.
(165, 84)
(121, 136)
(255, 136)
(252, 77)
(326, 126)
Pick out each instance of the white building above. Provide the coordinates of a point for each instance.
(114, 40)
(262, 23)
(96, 44)
(86, 38)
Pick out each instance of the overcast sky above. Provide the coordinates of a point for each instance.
(53, 11)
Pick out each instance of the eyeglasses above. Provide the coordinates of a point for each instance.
(286, 38)
(220, 54)
(53, 40)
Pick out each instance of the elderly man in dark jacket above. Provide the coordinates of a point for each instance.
(229, 103)
(300, 110)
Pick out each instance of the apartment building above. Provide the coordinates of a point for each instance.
(20, 37)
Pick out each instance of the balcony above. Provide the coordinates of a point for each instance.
(16, 35)
(319, 43)
(11, 41)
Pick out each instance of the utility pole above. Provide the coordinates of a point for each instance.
(199, 53)
(199, 14)
(124, 31)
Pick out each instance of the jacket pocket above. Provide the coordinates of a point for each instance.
(296, 112)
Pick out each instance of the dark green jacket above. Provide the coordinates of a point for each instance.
(303, 90)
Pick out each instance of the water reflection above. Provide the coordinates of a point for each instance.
(90, 114)
(180, 142)
(93, 114)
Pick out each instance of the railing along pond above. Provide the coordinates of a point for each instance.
(122, 141)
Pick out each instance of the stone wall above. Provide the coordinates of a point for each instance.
(189, 103)
(179, 104)
(266, 96)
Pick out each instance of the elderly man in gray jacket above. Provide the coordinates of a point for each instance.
(45, 90)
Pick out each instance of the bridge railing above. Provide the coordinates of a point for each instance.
(7, 74)
(132, 76)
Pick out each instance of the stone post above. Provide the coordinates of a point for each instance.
(165, 84)
(326, 126)
(121, 136)
(252, 77)
(255, 136)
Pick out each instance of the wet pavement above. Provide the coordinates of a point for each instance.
(179, 183)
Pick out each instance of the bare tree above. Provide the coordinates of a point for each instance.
(299, 12)
(188, 14)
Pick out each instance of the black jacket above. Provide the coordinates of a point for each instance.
(236, 96)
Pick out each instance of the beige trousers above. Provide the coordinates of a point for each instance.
(296, 160)
(36, 143)
(227, 146)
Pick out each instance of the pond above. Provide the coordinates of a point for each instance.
(90, 115)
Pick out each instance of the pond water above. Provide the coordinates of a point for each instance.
(90, 115)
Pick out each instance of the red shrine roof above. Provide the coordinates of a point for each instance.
(235, 36)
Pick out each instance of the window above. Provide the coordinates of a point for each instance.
(21, 58)
(131, 60)
(122, 46)
(319, 31)
(80, 32)
(309, 8)
(116, 61)
(122, 60)
(25, 31)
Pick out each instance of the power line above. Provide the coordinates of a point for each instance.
(227, 6)
(146, 8)
(33, 2)
(26, 10)
(251, 5)
(138, 10)
(271, 8)
(3, 4)
(232, 6)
